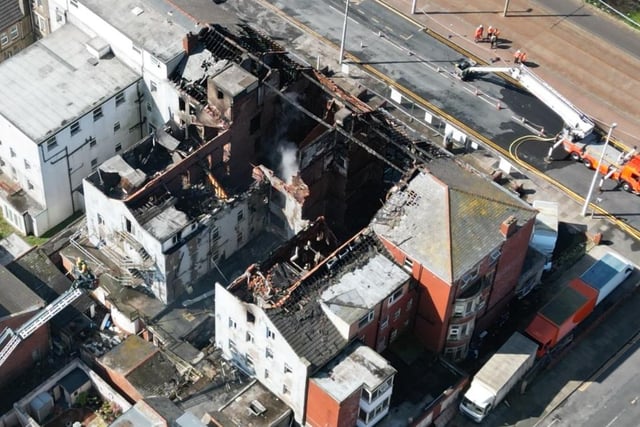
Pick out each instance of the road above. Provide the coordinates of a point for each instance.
(611, 398)
(394, 47)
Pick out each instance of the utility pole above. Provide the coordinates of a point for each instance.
(344, 30)
(597, 171)
(413, 6)
(506, 6)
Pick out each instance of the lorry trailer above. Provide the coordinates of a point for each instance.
(551, 326)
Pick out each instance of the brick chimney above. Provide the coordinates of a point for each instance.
(509, 226)
(189, 42)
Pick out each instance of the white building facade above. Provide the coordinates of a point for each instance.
(66, 106)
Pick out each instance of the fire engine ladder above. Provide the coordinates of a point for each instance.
(36, 321)
(578, 123)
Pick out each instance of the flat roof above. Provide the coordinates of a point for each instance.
(50, 84)
(353, 369)
(235, 80)
(359, 290)
(128, 355)
(255, 407)
(156, 26)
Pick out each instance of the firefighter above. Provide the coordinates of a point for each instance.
(493, 39)
(479, 33)
(523, 58)
(516, 56)
(81, 265)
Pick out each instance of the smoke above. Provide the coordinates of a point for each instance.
(288, 161)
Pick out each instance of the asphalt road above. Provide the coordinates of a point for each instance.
(611, 399)
(396, 48)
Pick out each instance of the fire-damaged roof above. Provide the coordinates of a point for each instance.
(292, 297)
(149, 179)
(448, 219)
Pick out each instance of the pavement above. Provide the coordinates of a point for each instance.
(588, 56)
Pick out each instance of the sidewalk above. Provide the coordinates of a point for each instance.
(560, 51)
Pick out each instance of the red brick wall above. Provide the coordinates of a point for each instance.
(21, 359)
(510, 264)
(324, 411)
(119, 382)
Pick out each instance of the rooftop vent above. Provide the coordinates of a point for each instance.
(257, 408)
(137, 11)
(98, 48)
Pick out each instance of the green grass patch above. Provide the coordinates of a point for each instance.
(6, 229)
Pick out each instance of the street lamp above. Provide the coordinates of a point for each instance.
(597, 171)
(506, 7)
(344, 30)
(413, 7)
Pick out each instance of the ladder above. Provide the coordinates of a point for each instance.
(46, 314)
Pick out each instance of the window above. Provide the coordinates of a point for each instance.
(285, 389)
(268, 353)
(394, 335)
(152, 128)
(384, 323)
(155, 61)
(26, 164)
(94, 164)
(232, 323)
(365, 320)
(396, 315)
(97, 114)
(11, 152)
(93, 142)
(232, 347)
(100, 219)
(4, 39)
(271, 334)
(266, 373)
(250, 317)
(287, 369)
(409, 304)
(249, 337)
(220, 94)
(249, 361)
(454, 332)
(14, 173)
(75, 128)
(116, 127)
(395, 296)
(148, 106)
(408, 264)
(74, 3)
(215, 233)
(239, 237)
(240, 215)
(153, 86)
(14, 32)
(120, 98)
(29, 185)
(495, 255)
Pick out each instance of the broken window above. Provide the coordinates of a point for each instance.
(29, 185)
(250, 317)
(127, 225)
(220, 94)
(287, 369)
(226, 152)
(249, 337)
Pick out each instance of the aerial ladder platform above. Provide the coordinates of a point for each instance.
(84, 280)
(577, 125)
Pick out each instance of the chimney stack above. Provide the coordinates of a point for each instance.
(508, 226)
(189, 42)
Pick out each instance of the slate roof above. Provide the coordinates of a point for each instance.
(15, 296)
(301, 319)
(448, 219)
(74, 380)
(10, 13)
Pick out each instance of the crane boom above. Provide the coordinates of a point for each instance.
(85, 280)
(576, 122)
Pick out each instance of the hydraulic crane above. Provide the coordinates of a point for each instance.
(84, 280)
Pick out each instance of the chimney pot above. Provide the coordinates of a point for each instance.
(189, 43)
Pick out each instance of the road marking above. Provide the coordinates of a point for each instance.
(612, 421)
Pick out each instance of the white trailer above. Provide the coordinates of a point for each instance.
(607, 273)
(501, 372)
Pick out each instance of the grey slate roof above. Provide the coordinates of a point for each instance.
(15, 296)
(448, 219)
(10, 13)
(301, 319)
(48, 85)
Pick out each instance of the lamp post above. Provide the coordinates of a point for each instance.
(506, 7)
(344, 30)
(413, 6)
(597, 171)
